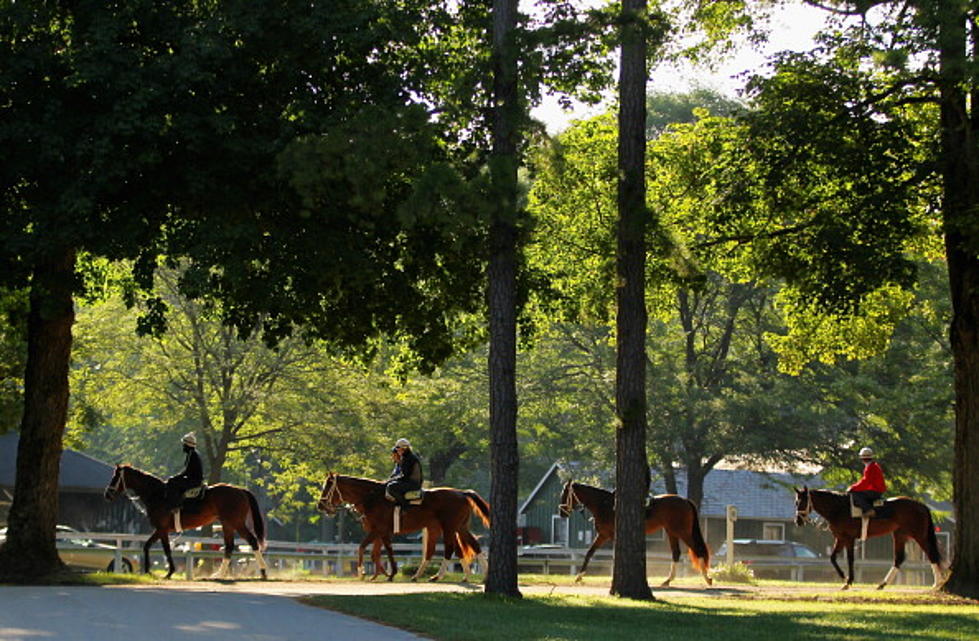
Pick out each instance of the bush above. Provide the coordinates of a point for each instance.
(736, 573)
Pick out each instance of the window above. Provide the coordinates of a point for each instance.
(559, 529)
(773, 531)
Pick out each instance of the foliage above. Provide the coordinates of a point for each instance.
(734, 573)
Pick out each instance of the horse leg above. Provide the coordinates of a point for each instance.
(360, 554)
(849, 561)
(600, 539)
(229, 546)
(900, 540)
(165, 541)
(468, 550)
(448, 542)
(376, 557)
(391, 561)
(256, 550)
(838, 545)
(675, 552)
(429, 538)
(146, 551)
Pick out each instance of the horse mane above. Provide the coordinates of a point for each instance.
(142, 473)
(360, 479)
(602, 496)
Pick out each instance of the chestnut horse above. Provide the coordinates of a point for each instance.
(675, 514)
(903, 517)
(235, 507)
(443, 510)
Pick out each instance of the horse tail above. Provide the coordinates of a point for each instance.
(255, 522)
(699, 552)
(468, 546)
(480, 505)
(934, 553)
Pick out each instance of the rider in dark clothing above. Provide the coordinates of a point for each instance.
(407, 474)
(190, 478)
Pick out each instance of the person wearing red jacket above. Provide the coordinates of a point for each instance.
(871, 485)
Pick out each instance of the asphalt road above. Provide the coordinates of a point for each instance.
(164, 614)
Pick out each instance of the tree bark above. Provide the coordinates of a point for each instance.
(960, 208)
(631, 470)
(29, 552)
(502, 302)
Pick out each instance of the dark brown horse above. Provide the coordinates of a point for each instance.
(443, 511)
(235, 507)
(902, 517)
(675, 514)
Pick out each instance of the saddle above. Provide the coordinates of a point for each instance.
(879, 509)
(414, 497)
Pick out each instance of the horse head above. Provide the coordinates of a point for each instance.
(117, 484)
(569, 500)
(803, 505)
(330, 498)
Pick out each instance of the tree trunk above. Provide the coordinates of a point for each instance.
(631, 469)
(960, 208)
(29, 552)
(502, 302)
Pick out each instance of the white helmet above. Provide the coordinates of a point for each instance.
(402, 442)
(866, 453)
(189, 439)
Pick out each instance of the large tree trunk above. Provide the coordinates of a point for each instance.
(502, 301)
(960, 167)
(29, 552)
(631, 468)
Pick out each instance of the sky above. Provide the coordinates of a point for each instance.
(792, 28)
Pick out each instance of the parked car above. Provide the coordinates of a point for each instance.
(85, 554)
(746, 549)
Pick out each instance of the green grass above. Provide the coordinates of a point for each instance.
(480, 617)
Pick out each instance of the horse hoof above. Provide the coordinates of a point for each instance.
(665, 584)
(434, 579)
(579, 579)
(414, 579)
(846, 586)
(710, 581)
(265, 575)
(880, 586)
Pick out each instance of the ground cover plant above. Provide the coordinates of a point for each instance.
(479, 617)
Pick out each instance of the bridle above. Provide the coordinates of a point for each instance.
(572, 501)
(119, 487)
(807, 510)
(331, 489)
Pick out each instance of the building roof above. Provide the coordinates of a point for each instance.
(78, 471)
(757, 495)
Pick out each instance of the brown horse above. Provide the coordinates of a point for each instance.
(903, 517)
(235, 507)
(675, 514)
(443, 510)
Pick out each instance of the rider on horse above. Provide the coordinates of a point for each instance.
(192, 477)
(407, 474)
(871, 485)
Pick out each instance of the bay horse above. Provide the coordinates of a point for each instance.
(904, 518)
(676, 514)
(235, 507)
(444, 511)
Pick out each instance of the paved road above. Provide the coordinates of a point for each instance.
(166, 614)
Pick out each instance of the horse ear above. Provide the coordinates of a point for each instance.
(795, 489)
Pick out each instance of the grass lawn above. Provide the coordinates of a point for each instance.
(479, 617)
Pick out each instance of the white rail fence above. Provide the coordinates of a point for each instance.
(198, 556)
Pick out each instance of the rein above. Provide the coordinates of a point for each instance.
(807, 510)
(120, 485)
(572, 502)
(331, 489)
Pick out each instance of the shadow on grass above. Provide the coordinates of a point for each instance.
(479, 617)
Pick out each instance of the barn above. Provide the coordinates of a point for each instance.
(82, 480)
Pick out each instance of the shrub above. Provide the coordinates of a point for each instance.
(736, 573)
